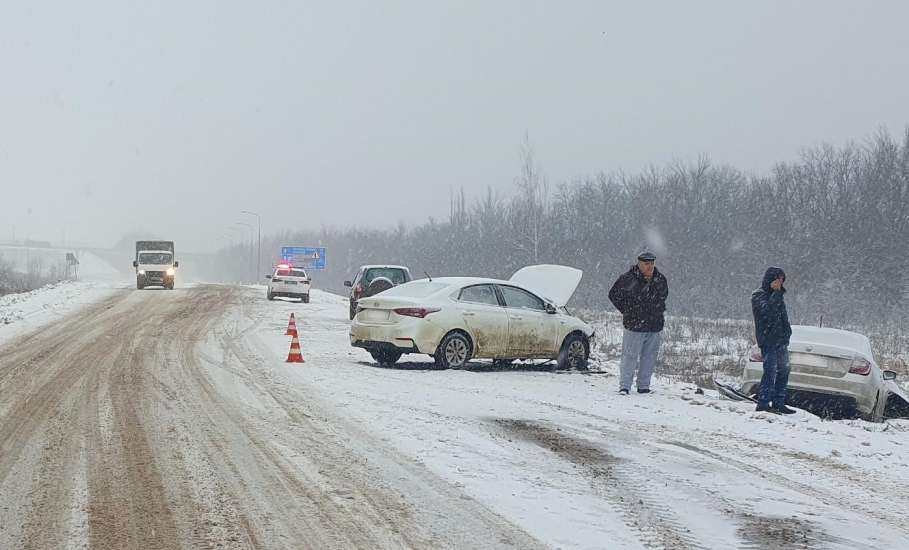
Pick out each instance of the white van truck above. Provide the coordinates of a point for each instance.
(155, 264)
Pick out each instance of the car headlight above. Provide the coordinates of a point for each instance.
(141, 272)
(171, 271)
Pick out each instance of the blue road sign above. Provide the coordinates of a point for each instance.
(304, 256)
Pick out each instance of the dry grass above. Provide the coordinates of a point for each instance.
(697, 350)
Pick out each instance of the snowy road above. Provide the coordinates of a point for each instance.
(169, 420)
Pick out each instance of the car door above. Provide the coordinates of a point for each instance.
(485, 319)
(531, 330)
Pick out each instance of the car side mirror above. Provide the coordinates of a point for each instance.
(176, 264)
(135, 263)
(348, 283)
(550, 309)
(889, 375)
(268, 276)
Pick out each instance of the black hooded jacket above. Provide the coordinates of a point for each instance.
(640, 301)
(771, 321)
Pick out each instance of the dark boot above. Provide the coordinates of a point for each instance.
(782, 409)
(763, 407)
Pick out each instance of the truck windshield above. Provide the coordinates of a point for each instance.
(154, 258)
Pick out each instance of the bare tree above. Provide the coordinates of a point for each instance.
(529, 206)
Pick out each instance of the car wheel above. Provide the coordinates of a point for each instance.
(385, 358)
(574, 353)
(269, 295)
(306, 298)
(454, 351)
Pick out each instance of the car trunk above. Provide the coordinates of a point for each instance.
(813, 364)
(810, 359)
(376, 310)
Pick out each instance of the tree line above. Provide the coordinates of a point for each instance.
(836, 219)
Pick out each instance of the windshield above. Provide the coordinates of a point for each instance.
(393, 274)
(154, 258)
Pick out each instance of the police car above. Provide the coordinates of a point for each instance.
(289, 282)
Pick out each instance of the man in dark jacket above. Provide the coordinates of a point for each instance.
(640, 295)
(772, 330)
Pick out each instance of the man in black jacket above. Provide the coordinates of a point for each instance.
(640, 295)
(772, 331)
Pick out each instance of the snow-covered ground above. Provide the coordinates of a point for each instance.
(579, 466)
(566, 458)
(21, 313)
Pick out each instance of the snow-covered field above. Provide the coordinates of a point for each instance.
(578, 466)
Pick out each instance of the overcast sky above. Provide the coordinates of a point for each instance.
(171, 117)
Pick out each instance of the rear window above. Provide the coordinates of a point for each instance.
(395, 275)
(416, 289)
(290, 273)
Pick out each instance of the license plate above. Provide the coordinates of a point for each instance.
(376, 315)
(290, 282)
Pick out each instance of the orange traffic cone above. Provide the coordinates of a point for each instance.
(295, 355)
(291, 326)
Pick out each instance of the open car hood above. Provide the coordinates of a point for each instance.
(556, 283)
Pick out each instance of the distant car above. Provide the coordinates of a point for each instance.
(834, 371)
(454, 319)
(373, 279)
(289, 282)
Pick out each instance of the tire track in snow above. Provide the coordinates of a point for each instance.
(620, 481)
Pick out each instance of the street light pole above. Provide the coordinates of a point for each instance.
(259, 237)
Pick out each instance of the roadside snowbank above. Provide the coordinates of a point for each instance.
(24, 312)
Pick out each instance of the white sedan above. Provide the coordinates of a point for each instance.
(454, 319)
(834, 372)
(289, 282)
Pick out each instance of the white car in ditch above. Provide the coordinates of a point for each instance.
(455, 319)
(833, 372)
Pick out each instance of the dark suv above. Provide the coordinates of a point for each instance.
(373, 279)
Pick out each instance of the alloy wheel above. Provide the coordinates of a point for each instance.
(456, 352)
(577, 352)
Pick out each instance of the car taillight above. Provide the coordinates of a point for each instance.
(416, 311)
(860, 366)
(756, 355)
(275, 279)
